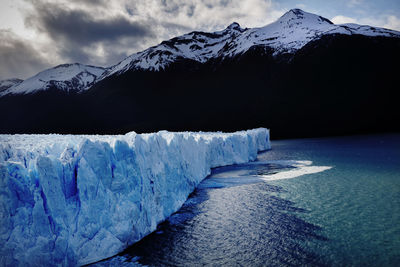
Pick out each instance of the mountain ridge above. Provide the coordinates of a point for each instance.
(73, 77)
(5, 84)
(278, 35)
(335, 84)
(288, 34)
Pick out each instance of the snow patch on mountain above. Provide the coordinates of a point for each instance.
(67, 77)
(197, 46)
(75, 199)
(287, 35)
(5, 84)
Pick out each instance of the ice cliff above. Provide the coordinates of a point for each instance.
(71, 200)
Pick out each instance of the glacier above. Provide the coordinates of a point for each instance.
(70, 200)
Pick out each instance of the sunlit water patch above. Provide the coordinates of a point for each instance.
(266, 170)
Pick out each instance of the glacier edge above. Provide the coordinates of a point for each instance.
(75, 199)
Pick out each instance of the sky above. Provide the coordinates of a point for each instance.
(39, 34)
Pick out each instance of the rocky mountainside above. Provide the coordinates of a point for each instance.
(290, 33)
(300, 76)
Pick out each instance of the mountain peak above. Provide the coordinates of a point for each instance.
(297, 11)
(296, 15)
(67, 77)
(234, 25)
(288, 34)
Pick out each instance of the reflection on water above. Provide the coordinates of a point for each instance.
(233, 218)
(267, 170)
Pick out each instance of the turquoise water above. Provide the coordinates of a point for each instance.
(344, 210)
(356, 203)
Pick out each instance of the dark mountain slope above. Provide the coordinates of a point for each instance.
(331, 80)
(336, 85)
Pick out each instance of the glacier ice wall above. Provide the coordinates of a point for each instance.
(74, 199)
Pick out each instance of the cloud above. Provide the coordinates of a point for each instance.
(79, 35)
(392, 22)
(90, 3)
(207, 14)
(101, 32)
(81, 27)
(353, 3)
(385, 21)
(301, 6)
(342, 19)
(18, 58)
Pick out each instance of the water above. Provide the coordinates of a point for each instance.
(341, 207)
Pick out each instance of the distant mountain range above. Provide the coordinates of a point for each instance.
(5, 84)
(300, 76)
(72, 78)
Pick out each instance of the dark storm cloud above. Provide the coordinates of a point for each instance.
(103, 32)
(80, 27)
(18, 58)
(90, 2)
(77, 32)
(176, 7)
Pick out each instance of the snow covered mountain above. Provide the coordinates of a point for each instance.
(301, 76)
(67, 77)
(288, 34)
(5, 84)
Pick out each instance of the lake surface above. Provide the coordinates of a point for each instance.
(315, 202)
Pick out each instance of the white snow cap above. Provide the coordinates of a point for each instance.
(287, 35)
(68, 77)
(5, 84)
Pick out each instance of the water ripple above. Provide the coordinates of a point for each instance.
(234, 218)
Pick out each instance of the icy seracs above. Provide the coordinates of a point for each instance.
(71, 200)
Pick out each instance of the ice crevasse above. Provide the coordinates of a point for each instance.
(75, 199)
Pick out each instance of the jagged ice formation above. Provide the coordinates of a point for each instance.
(74, 199)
